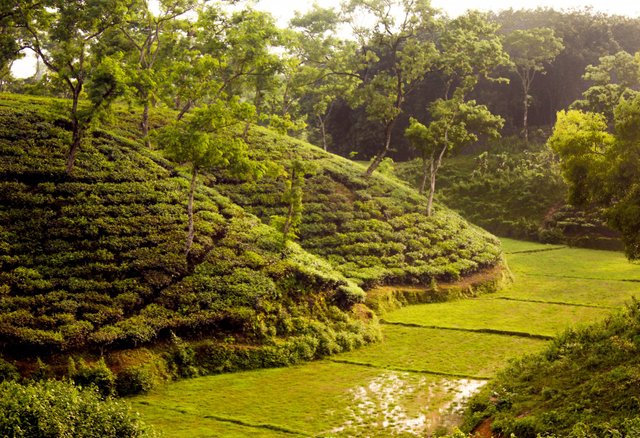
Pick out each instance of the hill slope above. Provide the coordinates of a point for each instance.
(373, 230)
(96, 260)
(584, 385)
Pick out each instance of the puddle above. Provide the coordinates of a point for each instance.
(395, 403)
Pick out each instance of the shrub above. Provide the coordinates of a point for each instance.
(134, 380)
(58, 409)
(98, 375)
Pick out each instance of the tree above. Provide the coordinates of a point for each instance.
(530, 50)
(615, 78)
(207, 140)
(395, 54)
(455, 123)
(63, 35)
(294, 175)
(603, 168)
(144, 31)
(323, 70)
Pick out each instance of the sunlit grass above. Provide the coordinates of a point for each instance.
(511, 246)
(495, 314)
(443, 351)
(575, 263)
(311, 399)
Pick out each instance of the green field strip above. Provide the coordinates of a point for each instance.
(488, 331)
(560, 303)
(408, 370)
(500, 316)
(532, 251)
(576, 277)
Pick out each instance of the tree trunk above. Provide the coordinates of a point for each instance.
(434, 171)
(425, 174)
(378, 159)
(323, 131)
(76, 129)
(192, 189)
(184, 109)
(144, 123)
(432, 186)
(525, 128)
(75, 145)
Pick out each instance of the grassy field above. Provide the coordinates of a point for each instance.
(411, 383)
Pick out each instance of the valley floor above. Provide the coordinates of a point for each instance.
(413, 383)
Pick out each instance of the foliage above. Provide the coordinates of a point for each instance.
(515, 190)
(583, 384)
(57, 409)
(601, 167)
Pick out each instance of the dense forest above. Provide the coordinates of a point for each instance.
(187, 189)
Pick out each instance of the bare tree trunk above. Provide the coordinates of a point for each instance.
(323, 131)
(192, 189)
(378, 159)
(525, 128)
(77, 130)
(425, 174)
(432, 186)
(184, 109)
(144, 124)
(434, 171)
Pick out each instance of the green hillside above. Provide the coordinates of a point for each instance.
(95, 261)
(373, 230)
(585, 384)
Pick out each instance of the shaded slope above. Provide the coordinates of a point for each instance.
(97, 259)
(373, 230)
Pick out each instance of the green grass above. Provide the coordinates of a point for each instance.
(511, 246)
(500, 315)
(576, 263)
(312, 399)
(443, 351)
(603, 293)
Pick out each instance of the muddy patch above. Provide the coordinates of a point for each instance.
(405, 404)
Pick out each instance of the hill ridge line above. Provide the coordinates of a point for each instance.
(481, 330)
(408, 370)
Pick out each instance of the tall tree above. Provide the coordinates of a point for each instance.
(455, 123)
(530, 50)
(323, 70)
(207, 140)
(144, 31)
(615, 78)
(395, 53)
(63, 35)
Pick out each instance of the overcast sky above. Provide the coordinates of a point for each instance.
(283, 10)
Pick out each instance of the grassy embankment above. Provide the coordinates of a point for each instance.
(431, 355)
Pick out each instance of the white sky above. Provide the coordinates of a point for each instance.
(284, 10)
